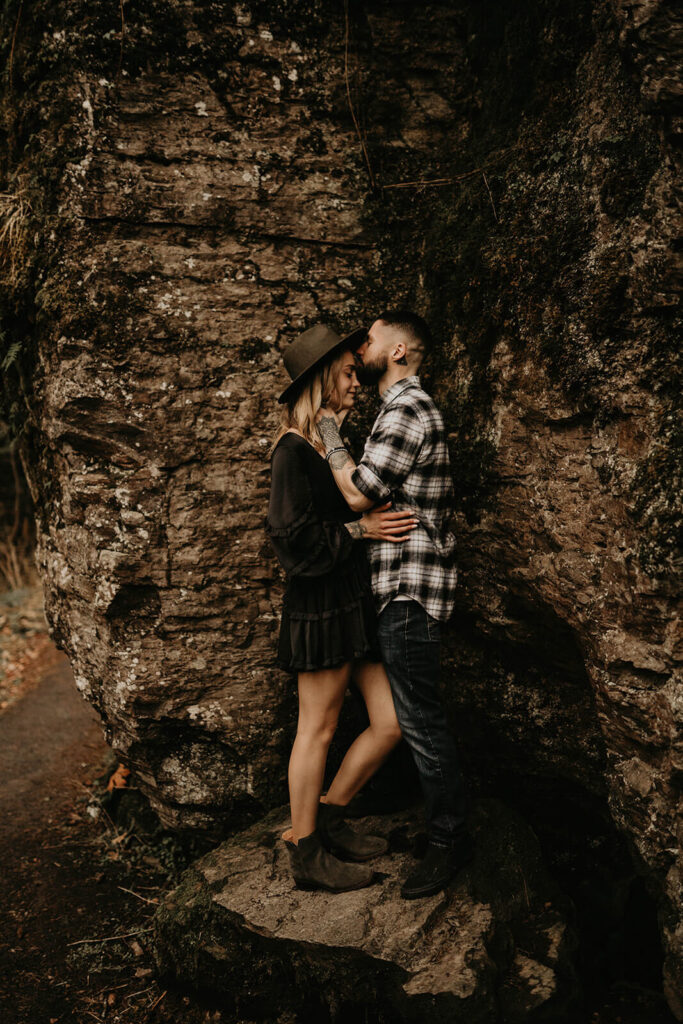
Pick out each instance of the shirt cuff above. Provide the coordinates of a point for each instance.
(369, 484)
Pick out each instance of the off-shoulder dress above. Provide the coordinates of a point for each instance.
(328, 614)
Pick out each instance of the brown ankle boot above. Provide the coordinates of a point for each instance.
(341, 840)
(313, 867)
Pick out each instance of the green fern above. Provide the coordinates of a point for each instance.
(12, 353)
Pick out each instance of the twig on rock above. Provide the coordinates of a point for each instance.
(348, 94)
(428, 181)
(157, 1002)
(14, 36)
(110, 938)
(123, 32)
(143, 898)
(526, 891)
(422, 182)
(140, 992)
(486, 182)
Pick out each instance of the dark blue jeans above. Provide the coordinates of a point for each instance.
(410, 640)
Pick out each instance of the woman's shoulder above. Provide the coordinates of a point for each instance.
(294, 443)
(290, 457)
(289, 438)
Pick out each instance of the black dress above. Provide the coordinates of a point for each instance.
(328, 614)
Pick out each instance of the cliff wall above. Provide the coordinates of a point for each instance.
(188, 191)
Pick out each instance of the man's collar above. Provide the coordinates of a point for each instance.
(398, 387)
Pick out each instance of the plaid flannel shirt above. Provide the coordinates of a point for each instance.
(406, 462)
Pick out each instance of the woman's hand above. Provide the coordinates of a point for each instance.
(338, 415)
(380, 524)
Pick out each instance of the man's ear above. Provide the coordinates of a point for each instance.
(399, 354)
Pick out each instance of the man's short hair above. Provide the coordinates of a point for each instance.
(413, 325)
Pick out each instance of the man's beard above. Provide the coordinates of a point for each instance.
(372, 372)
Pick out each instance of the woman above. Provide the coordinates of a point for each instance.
(328, 630)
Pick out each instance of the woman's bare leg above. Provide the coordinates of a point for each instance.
(372, 747)
(320, 699)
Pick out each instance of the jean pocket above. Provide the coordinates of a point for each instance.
(433, 628)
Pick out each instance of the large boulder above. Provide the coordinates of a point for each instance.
(188, 193)
(495, 947)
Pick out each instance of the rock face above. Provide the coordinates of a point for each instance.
(495, 947)
(190, 193)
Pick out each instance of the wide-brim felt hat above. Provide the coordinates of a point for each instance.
(312, 348)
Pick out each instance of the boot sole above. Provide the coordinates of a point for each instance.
(433, 889)
(423, 893)
(316, 887)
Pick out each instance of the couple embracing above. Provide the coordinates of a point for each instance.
(370, 579)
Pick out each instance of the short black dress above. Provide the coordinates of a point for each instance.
(328, 614)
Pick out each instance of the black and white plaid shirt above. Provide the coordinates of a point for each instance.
(406, 462)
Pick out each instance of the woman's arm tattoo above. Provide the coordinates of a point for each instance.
(340, 459)
(357, 530)
(328, 429)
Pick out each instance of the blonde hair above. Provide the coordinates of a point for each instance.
(318, 390)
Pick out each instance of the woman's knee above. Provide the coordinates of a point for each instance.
(318, 732)
(386, 729)
(384, 721)
(391, 733)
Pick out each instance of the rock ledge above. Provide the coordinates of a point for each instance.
(496, 947)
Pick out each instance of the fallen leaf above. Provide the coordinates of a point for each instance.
(119, 780)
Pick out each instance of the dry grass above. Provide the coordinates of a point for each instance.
(17, 568)
(15, 210)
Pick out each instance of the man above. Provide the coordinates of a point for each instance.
(406, 462)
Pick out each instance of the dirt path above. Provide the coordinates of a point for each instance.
(43, 737)
(77, 867)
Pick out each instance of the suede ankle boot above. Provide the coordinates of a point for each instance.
(341, 840)
(314, 867)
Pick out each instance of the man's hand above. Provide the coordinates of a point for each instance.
(380, 524)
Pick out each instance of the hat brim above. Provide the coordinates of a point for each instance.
(350, 341)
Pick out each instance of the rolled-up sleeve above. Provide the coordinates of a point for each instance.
(390, 453)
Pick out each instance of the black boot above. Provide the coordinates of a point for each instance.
(341, 840)
(436, 869)
(314, 867)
